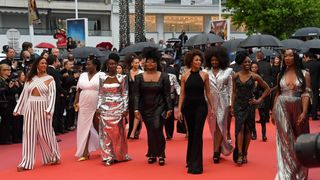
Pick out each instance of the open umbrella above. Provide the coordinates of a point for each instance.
(261, 40)
(232, 45)
(307, 31)
(84, 52)
(138, 47)
(105, 45)
(45, 45)
(312, 45)
(173, 40)
(292, 44)
(204, 38)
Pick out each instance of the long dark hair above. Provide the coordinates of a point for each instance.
(299, 67)
(33, 70)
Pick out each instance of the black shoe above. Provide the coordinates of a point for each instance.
(152, 160)
(216, 158)
(190, 171)
(254, 136)
(161, 161)
(264, 138)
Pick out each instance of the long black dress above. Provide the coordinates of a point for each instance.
(131, 108)
(243, 111)
(195, 110)
(152, 99)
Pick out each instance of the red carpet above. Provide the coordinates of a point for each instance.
(261, 165)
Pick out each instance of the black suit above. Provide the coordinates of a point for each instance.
(58, 109)
(313, 67)
(266, 74)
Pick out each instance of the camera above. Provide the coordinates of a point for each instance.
(307, 148)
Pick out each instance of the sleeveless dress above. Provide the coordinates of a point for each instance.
(195, 110)
(243, 111)
(288, 107)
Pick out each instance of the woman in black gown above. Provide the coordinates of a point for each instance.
(243, 105)
(133, 62)
(153, 103)
(193, 105)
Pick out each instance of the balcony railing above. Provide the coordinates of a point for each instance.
(38, 31)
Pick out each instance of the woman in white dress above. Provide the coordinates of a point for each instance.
(220, 80)
(86, 102)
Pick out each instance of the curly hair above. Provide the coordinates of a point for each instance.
(220, 53)
(190, 55)
(152, 53)
(241, 56)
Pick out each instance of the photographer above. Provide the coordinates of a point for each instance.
(7, 103)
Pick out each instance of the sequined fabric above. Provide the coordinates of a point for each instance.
(220, 91)
(287, 109)
(113, 101)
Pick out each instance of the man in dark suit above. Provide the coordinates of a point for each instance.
(10, 56)
(266, 74)
(53, 65)
(313, 66)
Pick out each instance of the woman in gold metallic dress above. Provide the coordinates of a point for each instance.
(290, 115)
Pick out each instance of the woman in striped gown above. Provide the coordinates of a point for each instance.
(36, 104)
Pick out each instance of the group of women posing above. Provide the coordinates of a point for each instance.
(215, 92)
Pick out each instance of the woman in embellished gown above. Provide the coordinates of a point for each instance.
(220, 80)
(153, 103)
(112, 108)
(290, 115)
(86, 102)
(193, 106)
(243, 105)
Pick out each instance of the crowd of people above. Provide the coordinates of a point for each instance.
(44, 96)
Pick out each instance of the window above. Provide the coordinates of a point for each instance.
(150, 23)
(187, 23)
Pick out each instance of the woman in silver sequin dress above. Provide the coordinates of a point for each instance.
(220, 80)
(112, 107)
(290, 115)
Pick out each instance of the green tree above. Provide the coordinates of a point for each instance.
(280, 18)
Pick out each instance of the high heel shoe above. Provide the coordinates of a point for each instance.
(21, 169)
(84, 158)
(152, 160)
(240, 159)
(216, 158)
(109, 162)
(161, 161)
(244, 158)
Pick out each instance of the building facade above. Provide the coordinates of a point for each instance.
(164, 19)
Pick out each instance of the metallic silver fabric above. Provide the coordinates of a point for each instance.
(287, 109)
(221, 90)
(113, 101)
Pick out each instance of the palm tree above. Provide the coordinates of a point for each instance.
(139, 22)
(124, 22)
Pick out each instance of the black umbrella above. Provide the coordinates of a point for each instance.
(138, 47)
(261, 40)
(173, 40)
(205, 38)
(312, 45)
(307, 31)
(292, 44)
(84, 52)
(232, 45)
